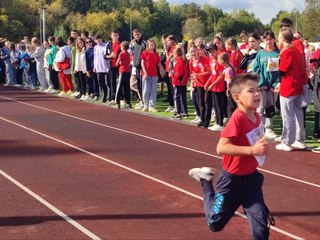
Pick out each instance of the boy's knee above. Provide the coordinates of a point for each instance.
(216, 225)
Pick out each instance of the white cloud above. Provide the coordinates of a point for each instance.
(265, 10)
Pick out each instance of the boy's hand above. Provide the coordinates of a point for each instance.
(262, 147)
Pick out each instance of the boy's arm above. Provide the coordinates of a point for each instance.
(225, 147)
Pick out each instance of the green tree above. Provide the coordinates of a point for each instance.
(193, 28)
(310, 19)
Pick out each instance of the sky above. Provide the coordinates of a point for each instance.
(265, 10)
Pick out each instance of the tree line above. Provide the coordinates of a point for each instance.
(19, 18)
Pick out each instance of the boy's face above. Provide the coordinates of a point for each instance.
(213, 53)
(249, 96)
(114, 37)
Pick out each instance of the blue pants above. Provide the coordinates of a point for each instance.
(231, 192)
(180, 99)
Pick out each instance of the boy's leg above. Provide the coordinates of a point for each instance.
(221, 204)
(255, 208)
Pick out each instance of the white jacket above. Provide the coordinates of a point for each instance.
(62, 53)
(80, 61)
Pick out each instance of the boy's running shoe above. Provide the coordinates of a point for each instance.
(316, 150)
(204, 173)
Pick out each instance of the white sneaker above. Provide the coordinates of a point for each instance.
(204, 173)
(225, 120)
(63, 94)
(316, 150)
(82, 97)
(139, 106)
(196, 119)
(169, 109)
(75, 94)
(52, 91)
(41, 89)
(216, 127)
(269, 134)
(122, 103)
(33, 88)
(152, 109)
(283, 147)
(87, 98)
(278, 139)
(48, 89)
(299, 145)
(145, 109)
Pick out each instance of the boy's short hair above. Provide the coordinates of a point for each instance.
(125, 45)
(115, 31)
(136, 30)
(71, 39)
(51, 39)
(287, 34)
(286, 22)
(237, 83)
(59, 42)
(98, 36)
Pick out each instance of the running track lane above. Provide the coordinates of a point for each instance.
(194, 159)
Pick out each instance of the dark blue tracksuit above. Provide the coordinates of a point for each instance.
(231, 192)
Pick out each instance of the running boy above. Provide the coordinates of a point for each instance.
(239, 182)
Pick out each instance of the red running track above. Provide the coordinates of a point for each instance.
(113, 174)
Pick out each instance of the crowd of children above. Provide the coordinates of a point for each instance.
(240, 86)
(106, 72)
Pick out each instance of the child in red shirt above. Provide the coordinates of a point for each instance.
(123, 63)
(291, 73)
(200, 72)
(217, 86)
(242, 147)
(179, 75)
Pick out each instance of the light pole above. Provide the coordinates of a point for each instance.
(40, 24)
(131, 20)
(214, 24)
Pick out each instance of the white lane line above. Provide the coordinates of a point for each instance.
(160, 141)
(138, 173)
(51, 207)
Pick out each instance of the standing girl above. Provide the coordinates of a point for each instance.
(235, 54)
(91, 75)
(250, 53)
(216, 86)
(266, 64)
(123, 63)
(229, 73)
(180, 75)
(200, 73)
(150, 60)
(80, 69)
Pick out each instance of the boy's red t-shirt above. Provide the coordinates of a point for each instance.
(199, 67)
(115, 49)
(125, 62)
(151, 61)
(237, 128)
(216, 71)
(293, 80)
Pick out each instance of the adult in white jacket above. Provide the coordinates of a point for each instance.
(62, 56)
(39, 57)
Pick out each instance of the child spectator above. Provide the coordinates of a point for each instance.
(228, 73)
(112, 52)
(80, 68)
(239, 183)
(200, 72)
(217, 86)
(235, 54)
(53, 73)
(123, 63)
(244, 36)
(250, 53)
(266, 65)
(101, 66)
(180, 75)
(91, 75)
(291, 74)
(150, 61)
